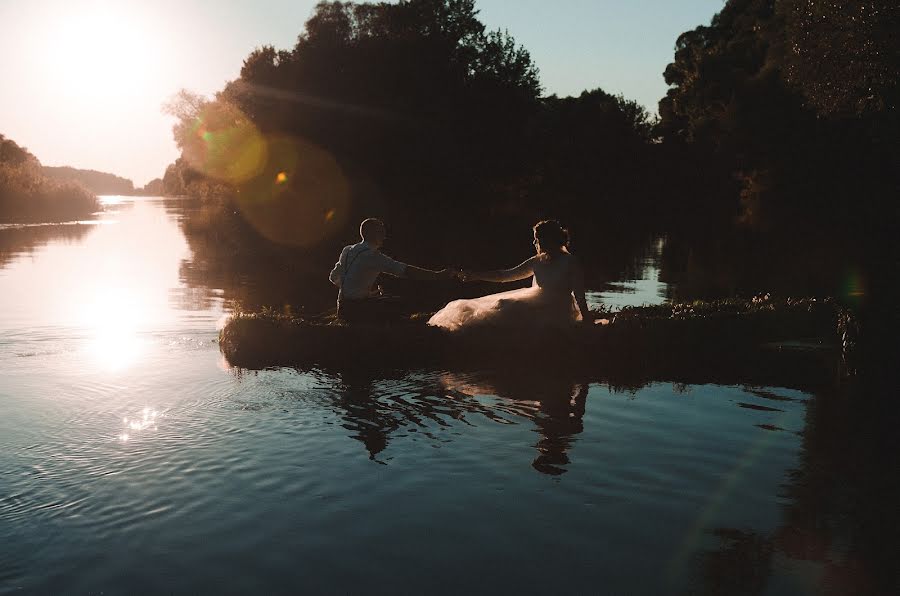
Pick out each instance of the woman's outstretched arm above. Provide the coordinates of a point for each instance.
(520, 271)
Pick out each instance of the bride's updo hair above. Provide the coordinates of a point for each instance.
(552, 236)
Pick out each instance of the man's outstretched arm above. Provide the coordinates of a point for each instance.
(399, 269)
(428, 274)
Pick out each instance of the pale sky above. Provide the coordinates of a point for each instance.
(107, 116)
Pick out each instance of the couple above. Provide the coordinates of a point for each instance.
(555, 298)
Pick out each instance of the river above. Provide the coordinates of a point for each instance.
(135, 459)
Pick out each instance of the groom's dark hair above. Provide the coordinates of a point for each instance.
(551, 234)
(368, 226)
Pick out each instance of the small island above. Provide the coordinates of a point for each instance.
(650, 339)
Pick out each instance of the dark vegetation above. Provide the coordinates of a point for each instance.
(791, 108)
(651, 337)
(416, 113)
(104, 183)
(154, 188)
(772, 167)
(31, 192)
(28, 195)
(101, 183)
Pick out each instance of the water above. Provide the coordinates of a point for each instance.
(647, 289)
(134, 459)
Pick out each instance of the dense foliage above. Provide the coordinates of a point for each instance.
(415, 112)
(793, 107)
(772, 166)
(28, 195)
(101, 183)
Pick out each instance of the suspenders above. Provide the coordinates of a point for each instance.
(347, 269)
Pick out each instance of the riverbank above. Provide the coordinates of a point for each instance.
(649, 341)
(27, 195)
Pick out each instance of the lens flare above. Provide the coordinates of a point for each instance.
(300, 197)
(225, 145)
(290, 190)
(854, 288)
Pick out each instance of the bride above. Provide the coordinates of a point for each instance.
(555, 298)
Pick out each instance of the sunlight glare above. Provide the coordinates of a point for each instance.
(114, 317)
(98, 55)
(146, 420)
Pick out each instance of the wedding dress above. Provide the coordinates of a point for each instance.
(548, 303)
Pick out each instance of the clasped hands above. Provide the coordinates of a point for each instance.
(455, 274)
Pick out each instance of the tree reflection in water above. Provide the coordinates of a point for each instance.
(23, 240)
(839, 503)
(838, 531)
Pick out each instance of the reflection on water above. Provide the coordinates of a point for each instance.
(131, 457)
(148, 419)
(646, 287)
(17, 241)
(113, 316)
(555, 403)
(373, 408)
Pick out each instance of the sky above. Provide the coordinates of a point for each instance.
(82, 82)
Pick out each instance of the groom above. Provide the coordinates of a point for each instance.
(359, 266)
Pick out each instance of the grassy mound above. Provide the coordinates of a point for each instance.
(662, 333)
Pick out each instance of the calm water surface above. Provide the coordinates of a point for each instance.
(133, 459)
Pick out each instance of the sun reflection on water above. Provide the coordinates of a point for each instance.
(116, 321)
(111, 200)
(146, 420)
(114, 318)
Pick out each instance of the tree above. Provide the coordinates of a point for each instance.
(413, 111)
(843, 56)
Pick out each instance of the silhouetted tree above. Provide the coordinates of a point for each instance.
(426, 117)
(795, 103)
(843, 56)
(155, 187)
(102, 183)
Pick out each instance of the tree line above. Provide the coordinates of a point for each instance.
(101, 183)
(27, 194)
(772, 165)
(416, 112)
(789, 112)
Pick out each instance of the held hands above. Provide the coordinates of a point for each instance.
(455, 275)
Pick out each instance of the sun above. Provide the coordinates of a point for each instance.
(100, 55)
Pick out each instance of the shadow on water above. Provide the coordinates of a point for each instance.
(838, 529)
(376, 401)
(838, 504)
(21, 240)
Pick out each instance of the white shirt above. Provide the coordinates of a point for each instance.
(358, 267)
